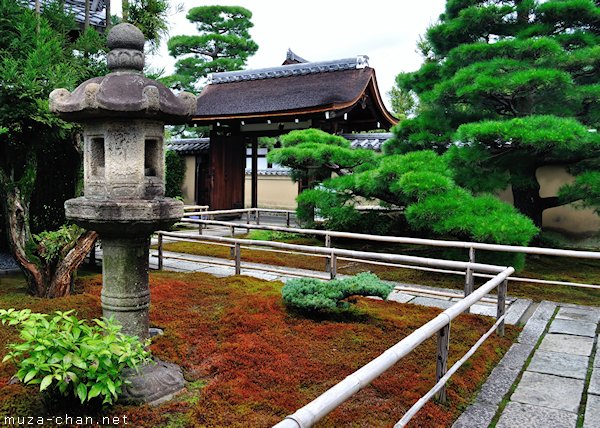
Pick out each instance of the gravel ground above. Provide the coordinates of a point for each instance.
(7, 262)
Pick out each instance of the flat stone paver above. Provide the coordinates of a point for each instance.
(487, 310)
(428, 301)
(518, 415)
(516, 356)
(549, 391)
(476, 416)
(576, 328)
(579, 314)
(559, 364)
(516, 310)
(537, 323)
(398, 296)
(568, 344)
(592, 412)
(594, 387)
(497, 385)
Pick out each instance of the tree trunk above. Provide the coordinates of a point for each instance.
(42, 280)
(86, 21)
(17, 219)
(527, 200)
(62, 278)
(125, 10)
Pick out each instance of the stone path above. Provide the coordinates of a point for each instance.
(549, 378)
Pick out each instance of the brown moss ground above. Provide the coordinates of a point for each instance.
(541, 267)
(249, 362)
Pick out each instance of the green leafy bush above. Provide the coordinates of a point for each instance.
(67, 356)
(307, 294)
(174, 174)
(51, 246)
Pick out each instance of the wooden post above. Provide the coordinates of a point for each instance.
(232, 230)
(287, 219)
(469, 281)
(107, 17)
(200, 228)
(160, 251)
(254, 181)
(257, 214)
(333, 271)
(502, 289)
(443, 344)
(327, 259)
(238, 259)
(86, 20)
(248, 220)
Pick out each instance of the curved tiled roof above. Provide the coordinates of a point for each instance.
(293, 91)
(270, 171)
(189, 146)
(371, 141)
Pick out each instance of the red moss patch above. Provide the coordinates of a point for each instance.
(249, 362)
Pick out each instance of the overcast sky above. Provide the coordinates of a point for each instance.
(318, 30)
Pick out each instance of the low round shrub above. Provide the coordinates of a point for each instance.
(312, 295)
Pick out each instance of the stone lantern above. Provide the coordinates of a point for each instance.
(123, 116)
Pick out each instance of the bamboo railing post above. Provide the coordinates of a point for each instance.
(232, 230)
(200, 228)
(257, 215)
(502, 289)
(160, 251)
(333, 270)
(287, 219)
(327, 259)
(238, 259)
(443, 344)
(469, 281)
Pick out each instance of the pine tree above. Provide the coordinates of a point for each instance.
(223, 44)
(506, 88)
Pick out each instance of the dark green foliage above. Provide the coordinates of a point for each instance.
(151, 17)
(69, 357)
(51, 246)
(312, 295)
(314, 155)
(39, 154)
(423, 183)
(223, 44)
(508, 87)
(174, 174)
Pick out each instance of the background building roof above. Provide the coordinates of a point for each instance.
(371, 141)
(189, 146)
(296, 91)
(77, 8)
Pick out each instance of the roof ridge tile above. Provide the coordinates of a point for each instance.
(360, 61)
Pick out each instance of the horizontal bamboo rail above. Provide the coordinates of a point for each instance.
(415, 241)
(480, 267)
(472, 246)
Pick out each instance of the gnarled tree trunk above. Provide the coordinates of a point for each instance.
(43, 280)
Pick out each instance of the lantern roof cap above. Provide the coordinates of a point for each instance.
(125, 92)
